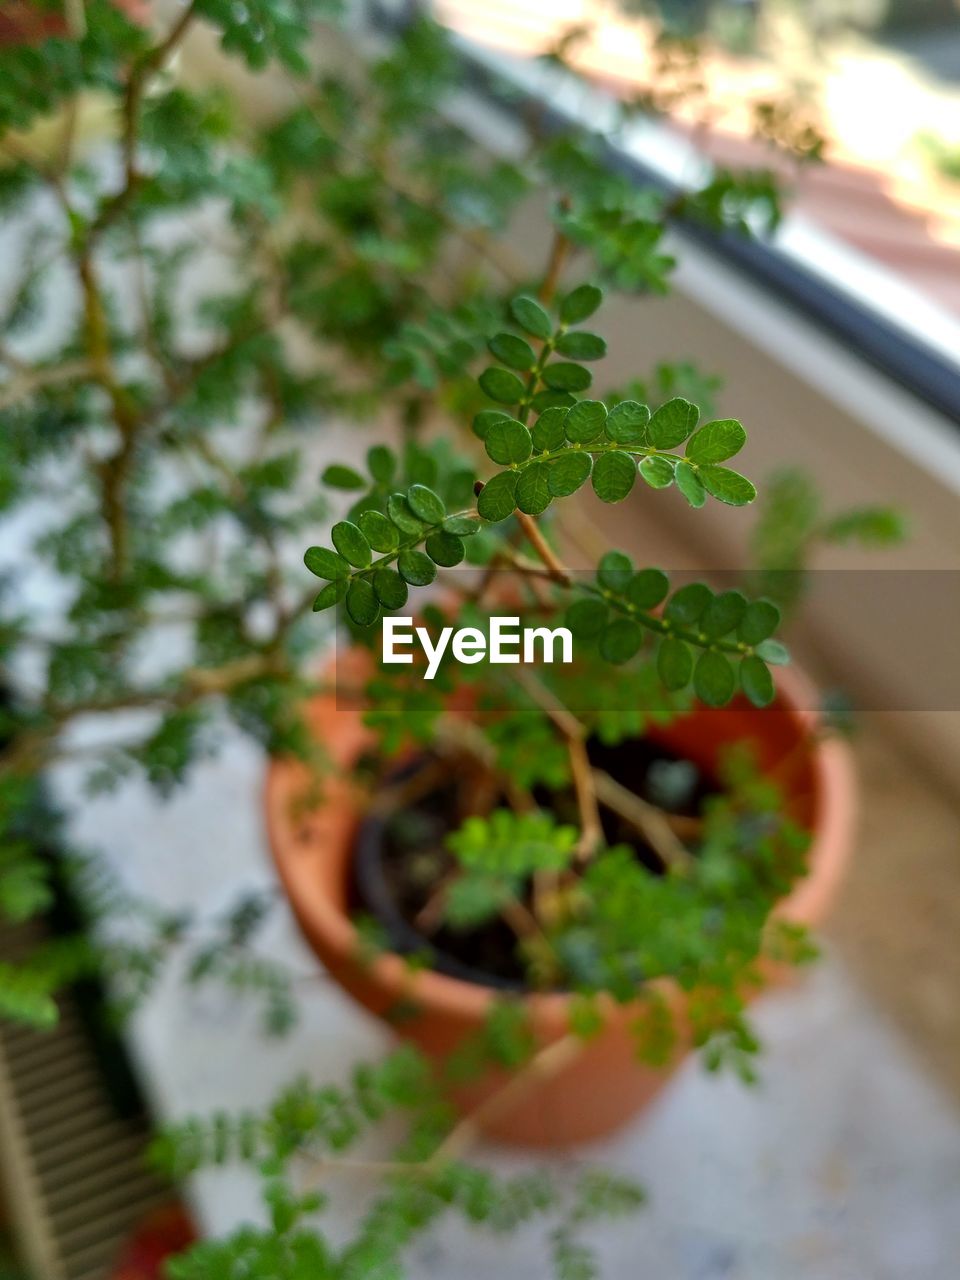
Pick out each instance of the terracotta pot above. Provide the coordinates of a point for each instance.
(603, 1085)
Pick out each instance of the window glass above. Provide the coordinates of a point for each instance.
(855, 103)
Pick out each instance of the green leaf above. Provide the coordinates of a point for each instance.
(531, 317)
(657, 472)
(390, 588)
(350, 542)
(690, 484)
(571, 1258)
(548, 432)
(774, 652)
(21, 1003)
(416, 568)
(870, 526)
(533, 489)
(672, 423)
(458, 485)
(462, 526)
(713, 679)
(445, 549)
(627, 423)
(378, 531)
(545, 399)
(761, 620)
(331, 594)
(686, 605)
(615, 570)
(502, 385)
(756, 681)
(508, 441)
(728, 486)
(497, 498)
(474, 899)
(564, 376)
(585, 421)
(399, 511)
(587, 618)
(580, 304)
(362, 604)
(382, 463)
(723, 614)
(325, 564)
(614, 475)
(513, 351)
(674, 663)
(581, 346)
(601, 1194)
(484, 420)
(716, 441)
(587, 1017)
(420, 464)
(513, 845)
(425, 504)
(568, 473)
(620, 641)
(648, 588)
(338, 476)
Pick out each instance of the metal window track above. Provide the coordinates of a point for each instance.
(72, 1167)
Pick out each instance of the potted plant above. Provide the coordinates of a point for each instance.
(549, 875)
(532, 842)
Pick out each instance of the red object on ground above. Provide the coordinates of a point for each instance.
(22, 23)
(162, 1234)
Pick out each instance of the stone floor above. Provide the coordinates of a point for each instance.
(897, 922)
(843, 1164)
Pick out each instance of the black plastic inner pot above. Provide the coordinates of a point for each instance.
(374, 889)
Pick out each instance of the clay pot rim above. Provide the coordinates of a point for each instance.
(831, 764)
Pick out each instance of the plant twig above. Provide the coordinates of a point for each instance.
(594, 785)
(115, 470)
(652, 823)
(555, 570)
(142, 285)
(68, 137)
(430, 916)
(139, 78)
(30, 380)
(210, 680)
(574, 733)
(547, 1062)
(348, 1164)
(400, 794)
(456, 735)
(591, 829)
(559, 252)
(76, 16)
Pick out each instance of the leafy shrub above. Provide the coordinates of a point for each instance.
(357, 269)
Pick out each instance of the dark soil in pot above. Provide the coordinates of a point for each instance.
(400, 860)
